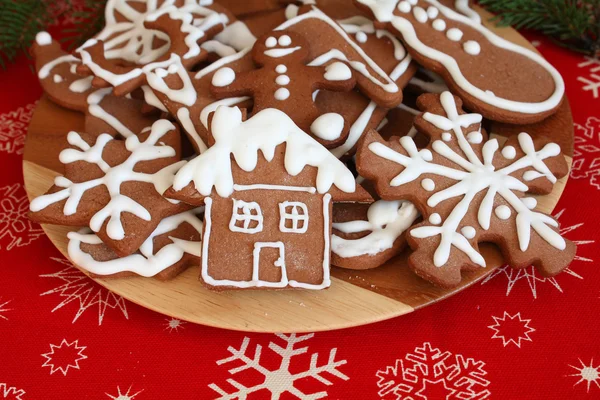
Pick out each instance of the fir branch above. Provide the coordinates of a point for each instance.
(572, 23)
(20, 21)
(88, 19)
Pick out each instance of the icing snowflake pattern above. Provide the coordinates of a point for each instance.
(13, 126)
(429, 372)
(114, 177)
(15, 229)
(586, 154)
(281, 380)
(591, 82)
(489, 180)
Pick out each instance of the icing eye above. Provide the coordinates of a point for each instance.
(285, 40)
(271, 42)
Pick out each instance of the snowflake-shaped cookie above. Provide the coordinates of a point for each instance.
(469, 191)
(114, 186)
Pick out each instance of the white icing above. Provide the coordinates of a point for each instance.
(509, 152)
(284, 40)
(328, 126)
(146, 262)
(473, 175)
(432, 12)
(271, 42)
(502, 212)
(282, 80)
(183, 115)
(212, 107)
(249, 214)
(185, 95)
(428, 184)
(259, 186)
(383, 11)
(420, 14)
(279, 52)
(243, 139)
(44, 72)
(386, 220)
(151, 99)
(281, 69)
(43, 38)
(472, 47)
(435, 219)
(338, 71)
(530, 202)
(81, 85)
(404, 6)
(94, 108)
(439, 24)
(361, 37)
(291, 11)
(446, 136)
(296, 213)
(282, 94)
(468, 232)
(113, 177)
(464, 8)
(474, 137)
(454, 34)
(57, 78)
(223, 77)
(220, 49)
(236, 35)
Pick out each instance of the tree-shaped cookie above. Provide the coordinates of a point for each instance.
(114, 186)
(469, 190)
(139, 33)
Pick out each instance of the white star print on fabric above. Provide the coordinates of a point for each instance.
(588, 374)
(174, 324)
(77, 287)
(64, 356)
(281, 380)
(16, 230)
(11, 392)
(124, 396)
(530, 275)
(511, 329)
(4, 308)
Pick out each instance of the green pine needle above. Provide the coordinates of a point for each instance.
(572, 23)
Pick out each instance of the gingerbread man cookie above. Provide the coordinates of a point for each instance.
(469, 190)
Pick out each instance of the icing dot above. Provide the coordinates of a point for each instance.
(468, 232)
(328, 126)
(420, 14)
(474, 137)
(471, 47)
(57, 78)
(271, 42)
(361, 37)
(285, 40)
(282, 80)
(338, 71)
(413, 2)
(282, 94)
(404, 6)
(281, 69)
(454, 34)
(428, 184)
(446, 136)
(432, 12)
(529, 202)
(43, 38)
(435, 219)
(502, 212)
(509, 152)
(439, 24)
(426, 154)
(223, 77)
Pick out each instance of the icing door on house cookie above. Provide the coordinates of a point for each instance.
(269, 263)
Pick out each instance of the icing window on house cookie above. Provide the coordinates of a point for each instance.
(246, 217)
(293, 217)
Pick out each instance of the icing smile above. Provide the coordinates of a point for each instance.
(276, 53)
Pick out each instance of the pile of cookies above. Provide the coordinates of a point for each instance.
(268, 140)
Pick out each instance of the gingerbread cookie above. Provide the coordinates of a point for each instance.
(469, 190)
(114, 186)
(140, 33)
(366, 236)
(268, 189)
(172, 247)
(499, 79)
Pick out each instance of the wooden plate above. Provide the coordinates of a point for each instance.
(355, 297)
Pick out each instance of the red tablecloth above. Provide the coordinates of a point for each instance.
(514, 336)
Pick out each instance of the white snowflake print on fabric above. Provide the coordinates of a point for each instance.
(587, 374)
(586, 152)
(174, 324)
(11, 392)
(429, 373)
(13, 127)
(531, 276)
(590, 69)
(4, 308)
(511, 329)
(280, 380)
(77, 287)
(124, 396)
(64, 356)
(16, 230)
